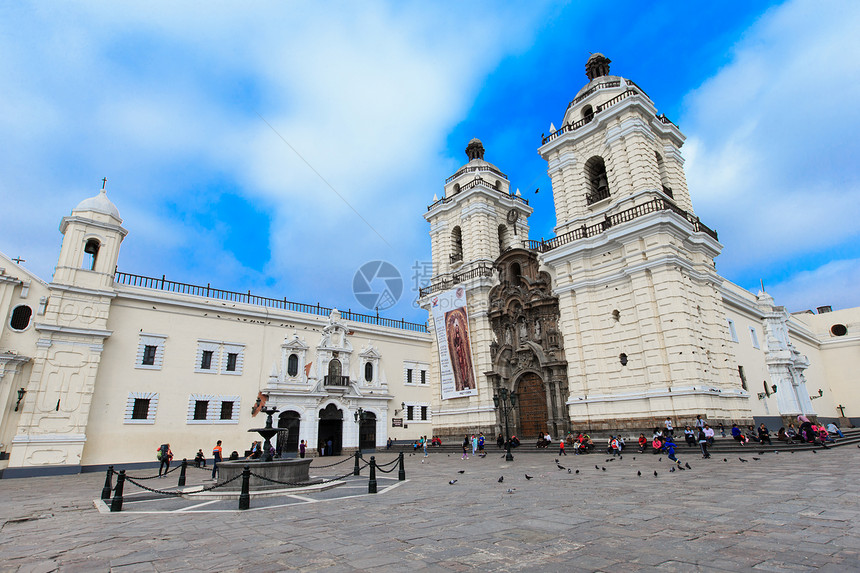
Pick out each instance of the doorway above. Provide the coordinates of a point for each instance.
(291, 422)
(531, 406)
(331, 429)
(367, 432)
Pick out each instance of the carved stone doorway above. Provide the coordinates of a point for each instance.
(531, 406)
(331, 429)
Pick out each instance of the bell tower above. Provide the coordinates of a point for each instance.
(642, 318)
(52, 427)
(477, 219)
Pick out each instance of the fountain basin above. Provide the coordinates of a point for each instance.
(290, 470)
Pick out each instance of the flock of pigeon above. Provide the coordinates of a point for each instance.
(672, 468)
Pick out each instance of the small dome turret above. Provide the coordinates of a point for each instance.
(475, 149)
(99, 204)
(597, 66)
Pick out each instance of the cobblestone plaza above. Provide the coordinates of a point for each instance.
(782, 512)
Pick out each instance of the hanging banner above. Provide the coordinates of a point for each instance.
(451, 320)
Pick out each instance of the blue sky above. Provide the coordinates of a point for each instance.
(228, 131)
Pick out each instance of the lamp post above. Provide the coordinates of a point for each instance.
(359, 416)
(502, 399)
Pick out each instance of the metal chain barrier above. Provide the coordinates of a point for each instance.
(334, 464)
(394, 461)
(302, 484)
(153, 477)
(164, 492)
(379, 468)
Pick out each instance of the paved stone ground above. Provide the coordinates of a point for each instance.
(786, 512)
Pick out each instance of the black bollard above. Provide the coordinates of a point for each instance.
(245, 496)
(116, 502)
(371, 485)
(401, 475)
(356, 470)
(182, 472)
(108, 485)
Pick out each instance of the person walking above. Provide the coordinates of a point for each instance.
(424, 445)
(474, 444)
(703, 443)
(164, 456)
(465, 448)
(303, 447)
(561, 451)
(216, 453)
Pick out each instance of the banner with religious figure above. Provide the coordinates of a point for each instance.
(451, 321)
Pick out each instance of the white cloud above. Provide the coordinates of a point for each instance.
(832, 284)
(772, 149)
(162, 99)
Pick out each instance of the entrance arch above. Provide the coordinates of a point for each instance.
(531, 406)
(290, 421)
(331, 428)
(367, 432)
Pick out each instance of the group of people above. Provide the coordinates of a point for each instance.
(476, 443)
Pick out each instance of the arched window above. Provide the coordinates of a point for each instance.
(516, 271)
(293, 365)
(498, 185)
(368, 372)
(595, 176)
(20, 317)
(456, 245)
(503, 238)
(587, 113)
(91, 253)
(664, 175)
(456, 188)
(334, 368)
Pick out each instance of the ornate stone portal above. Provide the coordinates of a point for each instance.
(527, 352)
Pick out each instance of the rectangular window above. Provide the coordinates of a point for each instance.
(410, 411)
(743, 377)
(140, 410)
(206, 360)
(732, 332)
(149, 354)
(200, 409)
(409, 376)
(424, 377)
(231, 361)
(424, 412)
(226, 410)
(754, 337)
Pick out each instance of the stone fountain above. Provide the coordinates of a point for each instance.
(293, 471)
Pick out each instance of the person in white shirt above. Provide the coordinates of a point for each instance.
(709, 433)
(834, 429)
(669, 429)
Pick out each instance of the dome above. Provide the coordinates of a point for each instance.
(99, 204)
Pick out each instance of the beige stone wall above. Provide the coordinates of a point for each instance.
(183, 321)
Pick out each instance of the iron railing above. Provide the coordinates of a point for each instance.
(329, 380)
(652, 206)
(457, 278)
(207, 291)
(596, 196)
(476, 169)
(474, 183)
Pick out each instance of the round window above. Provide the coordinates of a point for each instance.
(838, 330)
(20, 317)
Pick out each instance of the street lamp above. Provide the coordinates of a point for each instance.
(502, 397)
(358, 415)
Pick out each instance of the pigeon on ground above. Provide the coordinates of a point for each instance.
(461, 472)
(603, 468)
(568, 470)
(655, 473)
(561, 467)
(814, 452)
(528, 476)
(743, 460)
(511, 490)
(597, 467)
(639, 473)
(756, 459)
(660, 459)
(556, 460)
(634, 457)
(620, 457)
(577, 471)
(725, 460)
(686, 465)
(452, 482)
(671, 470)
(680, 468)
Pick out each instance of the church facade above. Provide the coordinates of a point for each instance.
(618, 322)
